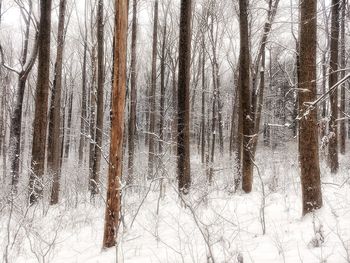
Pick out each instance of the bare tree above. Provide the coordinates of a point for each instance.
(183, 98)
(152, 107)
(54, 151)
(333, 79)
(83, 117)
(16, 117)
(308, 134)
(99, 115)
(133, 96)
(342, 132)
(41, 104)
(117, 124)
(245, 101)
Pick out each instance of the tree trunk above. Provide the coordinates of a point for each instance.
(117, 124)
(83, 120)
(245, 102)
(92, 116)
(162, 88)
(342, 133)
(308, 134)
(54, 151)
(99, 116)
(183, 92)
(333, 79)
(16, 117)
(69, 121)
(133, 97)
(151, 142)
(41, 104)
(203, 102)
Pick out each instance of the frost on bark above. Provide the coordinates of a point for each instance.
(308, 133)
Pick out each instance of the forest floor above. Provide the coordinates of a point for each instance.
(211, 224)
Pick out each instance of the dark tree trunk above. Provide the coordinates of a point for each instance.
(245, 102)
(133, 97)
(333, 79)
(16, 117)
(92, 116)
(308, 134)
(99, 116)
(41, 104)
(183, 92)
(69, 122)
(54, 142)
(117, 124)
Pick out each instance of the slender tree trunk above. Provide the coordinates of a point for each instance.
(174, 104)
(324, 80)
(83, 117)
(117, 124)
(133, 97)
(183, 121)
(342, 134)
(69, 121)
(162, 88)
(151, 142)
(16, 117)
(92, 116)
(41, 104)
(308, 134)
(54, 151)
(213, 131)
(220, 120)
(245, 102)
(258, 97)
(203, 102)
(333, 79)
(65, 95)
(100, 85)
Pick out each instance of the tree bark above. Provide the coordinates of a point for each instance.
(99, 116)
(54, 142)
(151, 142)
(117, 124)
(69, 120)
(41, 104)
(183, 95)
(308, 133)
(333, 79)
(342, 134)
(245, 100)
(133, 97)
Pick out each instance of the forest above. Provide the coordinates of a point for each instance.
(199, 131)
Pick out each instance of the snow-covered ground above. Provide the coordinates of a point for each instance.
(211, 224)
